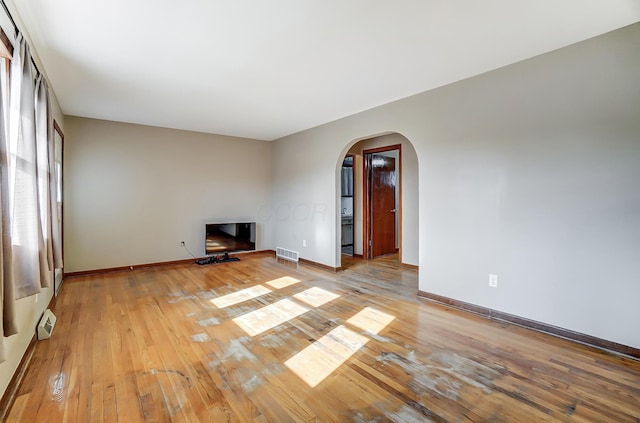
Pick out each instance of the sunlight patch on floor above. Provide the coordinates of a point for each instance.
(282, 282)
(268, 317)
(315, 296)
(371, 320)
(240, 296)
(323, 357)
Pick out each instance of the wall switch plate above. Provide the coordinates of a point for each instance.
(493, 281)
(304, 242)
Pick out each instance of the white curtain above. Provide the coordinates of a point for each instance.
(30, 244)
(44, 145)
(45, 131)
(27, 174)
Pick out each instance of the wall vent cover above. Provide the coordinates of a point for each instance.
(290, 255)
(46, 324)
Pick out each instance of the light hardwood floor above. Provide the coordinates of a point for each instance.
(267, 341)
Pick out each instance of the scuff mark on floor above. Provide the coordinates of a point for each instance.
(449, 374)
(378, 337)
(274, 340)
(275, 368)
(212, 321)
(239, 378)
(359, 418)
(251, 384)
(178, 299)
(238, 351)
(406, 414)
(470, 371)
(434, 382)
(207, 295)
(200, 337)
(213, 365)
(572, 409)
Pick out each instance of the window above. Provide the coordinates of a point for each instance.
(30, 192)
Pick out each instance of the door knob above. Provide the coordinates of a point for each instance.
(393, 210)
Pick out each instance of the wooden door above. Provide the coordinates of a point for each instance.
(383, 205)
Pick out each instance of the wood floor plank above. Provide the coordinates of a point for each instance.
(170, 344)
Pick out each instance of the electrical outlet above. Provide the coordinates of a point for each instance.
(182, 243)
(493, 281)
(304, 242)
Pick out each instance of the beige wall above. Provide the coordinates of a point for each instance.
(409, 187)
(30, 309)
(528, 172)
(134, 192)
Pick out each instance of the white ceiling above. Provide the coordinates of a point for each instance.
(265, 69)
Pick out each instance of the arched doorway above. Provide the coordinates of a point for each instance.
(367, 153)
